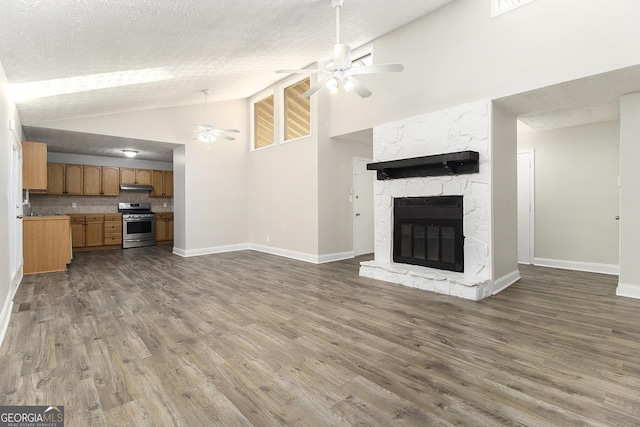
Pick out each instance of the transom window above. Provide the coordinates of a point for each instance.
(297, 110)
(263, 129)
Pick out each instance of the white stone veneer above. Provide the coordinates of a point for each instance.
(467, 127)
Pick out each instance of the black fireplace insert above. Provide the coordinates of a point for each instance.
(428, 231)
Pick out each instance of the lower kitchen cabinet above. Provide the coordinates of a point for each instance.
(96, 231)
(46, 243)
(164, 227)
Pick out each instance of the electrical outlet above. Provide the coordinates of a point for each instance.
(74, 205)
(268, 238)
(164, 204)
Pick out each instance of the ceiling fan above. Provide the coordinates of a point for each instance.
(340, 71)
(207, 133)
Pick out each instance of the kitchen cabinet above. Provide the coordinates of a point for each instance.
(56, 178)
(92, 176)
(77, 231)
(113, 229)
(101, 180)
(164, 227)
(34, 166)
(162, 182)
(46, 243)
(110, 181)
(135, 176)
(74, 180)
(94, 230)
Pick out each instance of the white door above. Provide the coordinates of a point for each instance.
(525, 207)
(363, 233)
(15, 212)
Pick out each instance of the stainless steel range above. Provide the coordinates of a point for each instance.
(138, 225)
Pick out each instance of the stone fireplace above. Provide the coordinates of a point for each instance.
(460, 141)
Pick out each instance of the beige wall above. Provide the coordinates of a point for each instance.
(504, 194)
(576, 192)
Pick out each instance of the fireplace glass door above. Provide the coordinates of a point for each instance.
(428, 232)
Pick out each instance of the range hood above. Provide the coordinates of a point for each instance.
(139, 187)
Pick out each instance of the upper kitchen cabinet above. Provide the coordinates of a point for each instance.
(162, 183)
(34, 166)
(56, 178)
(101, 181)
(74, 180)
(135, 176)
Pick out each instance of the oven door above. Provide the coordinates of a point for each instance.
(138, 229)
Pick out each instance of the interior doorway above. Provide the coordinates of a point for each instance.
(362, 197)
(526, 210)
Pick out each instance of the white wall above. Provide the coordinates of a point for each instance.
(7, 112)
(629, 284)
(576, 193)
(459, 54)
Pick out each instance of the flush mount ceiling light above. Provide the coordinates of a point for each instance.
(207, 133)
(340, 71)
(130, 153)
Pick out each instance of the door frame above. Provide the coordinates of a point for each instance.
(532, 198)
(15, 213)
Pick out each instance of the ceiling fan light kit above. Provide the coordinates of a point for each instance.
(207, 133)
(339, 72)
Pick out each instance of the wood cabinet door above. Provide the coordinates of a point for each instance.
(74, 181)
(110, 181)
(94, 233)
(143, 176)
(170, 228)
(157, 183)
(77, 234)
(127, 176)
(91, 180)
(167, 183)
(161, 229)
(34, 165)
(55, 178)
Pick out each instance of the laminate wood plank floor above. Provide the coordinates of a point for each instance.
(141, 337)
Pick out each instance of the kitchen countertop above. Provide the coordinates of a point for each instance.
(46, 217)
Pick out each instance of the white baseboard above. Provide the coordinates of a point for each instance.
(592, 267)
(504, 282)
(300, 256)
(209, 251)
(629, 291)
(5, 315)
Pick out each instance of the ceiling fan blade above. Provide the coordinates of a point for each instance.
(216, 131)
(315, 88)
(300, 71)
(359, 88)
(341, 55)
(379, 68)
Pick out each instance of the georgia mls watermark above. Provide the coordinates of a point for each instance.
(31, 416)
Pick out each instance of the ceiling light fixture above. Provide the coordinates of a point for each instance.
(130, 153)
(207, 133)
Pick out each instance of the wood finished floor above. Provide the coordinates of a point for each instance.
(142, 337)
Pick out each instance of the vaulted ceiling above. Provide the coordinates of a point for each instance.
(89, 58)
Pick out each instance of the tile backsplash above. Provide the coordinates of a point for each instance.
(45, 204)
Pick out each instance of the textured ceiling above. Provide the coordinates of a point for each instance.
(231, 47)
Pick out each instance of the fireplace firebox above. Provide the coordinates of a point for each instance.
(428, 231)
